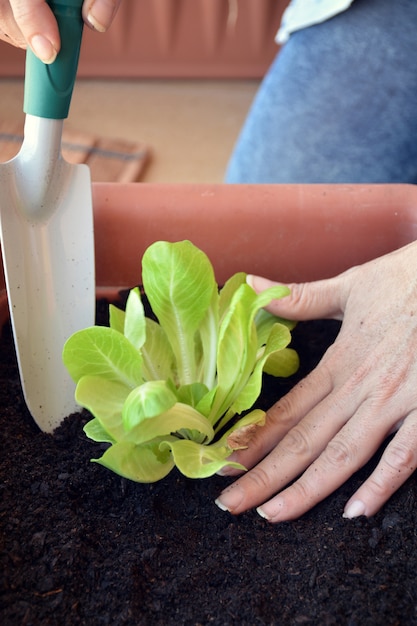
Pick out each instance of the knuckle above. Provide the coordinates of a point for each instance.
(379, 487)
(397, 463)
(261, 479)
(400, 458)
(22, 12)
(339, 453)
(389, 383)
(282, 413)
(302, 490)
(297, 292)
(306, 491)
(296, 442)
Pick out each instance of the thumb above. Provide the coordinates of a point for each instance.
(99, 14)
(322, 299)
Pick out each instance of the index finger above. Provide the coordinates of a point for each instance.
(282, 417)
(38, 26)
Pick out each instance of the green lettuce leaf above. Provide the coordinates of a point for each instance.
(174, 391)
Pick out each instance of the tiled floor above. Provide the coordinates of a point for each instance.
(189, 126)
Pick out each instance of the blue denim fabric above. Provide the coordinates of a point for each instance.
(339, 103)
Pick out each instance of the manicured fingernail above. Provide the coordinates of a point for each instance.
(43, 48)
(354, 509)
(262, 513)
(230, 499)
(220, 505)
(249, 280)
(271, 510)
(100, 15)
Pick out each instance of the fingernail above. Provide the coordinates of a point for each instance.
(228, 470)
(230, 499)
(271, 510)
(354, 509)
(43, 49)
(262, 513)
(100, 15)
(220, 505)
(250, 280)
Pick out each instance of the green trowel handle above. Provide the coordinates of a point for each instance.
(48, 88)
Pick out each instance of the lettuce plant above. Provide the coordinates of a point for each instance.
(169, 392)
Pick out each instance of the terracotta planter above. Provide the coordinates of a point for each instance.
(81, 545)
(177, 38)
(287, 232)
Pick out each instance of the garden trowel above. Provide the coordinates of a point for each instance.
(47, 239)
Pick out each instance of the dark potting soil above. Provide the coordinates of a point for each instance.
(80, 545)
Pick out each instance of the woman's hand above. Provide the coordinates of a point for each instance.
(31, 23)
(364, 388)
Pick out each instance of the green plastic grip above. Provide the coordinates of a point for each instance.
(48, 88)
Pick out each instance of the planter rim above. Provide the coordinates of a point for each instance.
(289, 232)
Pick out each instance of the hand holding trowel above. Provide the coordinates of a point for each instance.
(46, 221)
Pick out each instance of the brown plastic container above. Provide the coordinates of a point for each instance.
(285, 232)
(176, 39)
